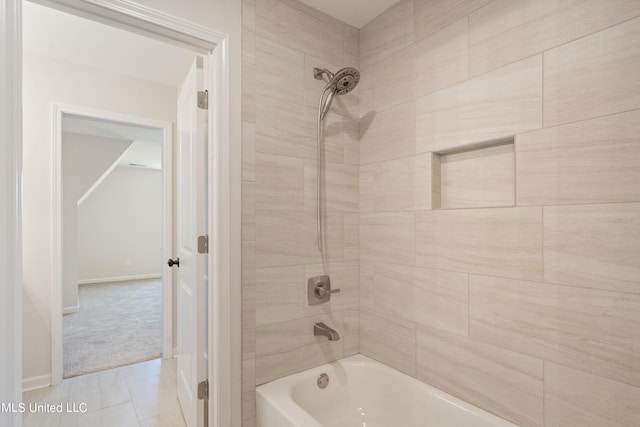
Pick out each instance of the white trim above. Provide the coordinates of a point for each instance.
(36, 383)
(119, 279)
(10, 208)
(59, 110)
(69, 310)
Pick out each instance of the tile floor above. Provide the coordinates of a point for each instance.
(140, 395)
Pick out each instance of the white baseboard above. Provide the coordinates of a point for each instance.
(72, 309)
(118, 279)
(35, 383)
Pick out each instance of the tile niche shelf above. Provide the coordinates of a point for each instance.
(479, 176)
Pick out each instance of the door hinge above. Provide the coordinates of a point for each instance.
(203, 390)
(203, 99)
(203, 244)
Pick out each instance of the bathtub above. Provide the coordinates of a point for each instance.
(363, 393)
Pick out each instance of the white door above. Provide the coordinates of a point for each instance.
(191, 223)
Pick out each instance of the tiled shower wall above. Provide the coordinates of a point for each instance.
(500, 204)
(282, 41)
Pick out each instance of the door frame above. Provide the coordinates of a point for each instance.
(59, 110)
(224, 178)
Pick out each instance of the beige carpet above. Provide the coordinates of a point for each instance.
(118, 324)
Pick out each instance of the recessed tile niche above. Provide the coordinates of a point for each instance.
(479, 176)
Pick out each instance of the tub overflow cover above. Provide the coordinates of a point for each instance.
(323, 380)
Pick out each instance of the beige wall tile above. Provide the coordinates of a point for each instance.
(340, 187)
(248, 211)
(248, 62)
(434, 63)
(312, 87)
(593, 161)
(478, 178)
(248, 151)
(577, 398)
(248, 389)
(397, 185)
(505, 31)
(279, 183)
(503, 382)
(299, 27)
(388, 134)
(593, 246)
(503, 242)
(351, 236)
(438, 299)
(289, 347)
(351, 40)
(280, 294)
(352, 333)
(591, 330)
(279, 71)
(389, 340)
(333, 146)
(289, 238)
(593, 76)
(387, 237)
(434, 15)
(351, 141)
(389, 32)
(248, 300)
(344, 276)
(492, 106)
(367, 281)
(285, 129)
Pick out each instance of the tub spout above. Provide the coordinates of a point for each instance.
(322, 330)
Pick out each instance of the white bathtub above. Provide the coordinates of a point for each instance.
(363, 393)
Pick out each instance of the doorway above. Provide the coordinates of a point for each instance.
(114, 233)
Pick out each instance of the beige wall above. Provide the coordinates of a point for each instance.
(283, 41)
(521, 294)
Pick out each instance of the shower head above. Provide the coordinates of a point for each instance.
(344, 81)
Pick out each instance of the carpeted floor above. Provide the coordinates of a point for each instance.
(118, 324)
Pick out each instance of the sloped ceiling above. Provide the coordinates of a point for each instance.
(357, 13)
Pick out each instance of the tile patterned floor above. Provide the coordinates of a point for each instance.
(140, 395)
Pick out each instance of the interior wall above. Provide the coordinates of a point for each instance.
(47, 81)
(282, 41)
(85, 159)
(120, 227)
(508, 277)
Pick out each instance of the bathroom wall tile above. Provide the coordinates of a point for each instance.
(248, 63)
(478, 178)
(433, 63)
(285, 129)
(387, 237)
(248, 211)
(248, 300)
(248, 405)
(396, 185)
(248, 151)
(351, 40)
(506, 31)
(280, 294)
(591, 330)
(351, 237)
(367, 281)
(289, 238)
(503, 242)
(388, 134)
(344, 276)
(433, 15)
(592, 161)
(279, 183)
(351, 141)
(279, 71)
(299, 27)
(439, 299)
(389, 340)
(495, 105)
(351, 334)
(332, 137)
(593, 76)
(248, 389)
(593, 246)
(340, 187)
(577, 398)
(503, 382)
(289, 347)
(389, 32)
